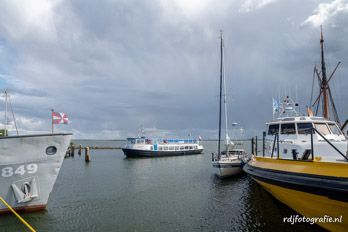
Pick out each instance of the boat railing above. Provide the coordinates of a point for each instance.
(276, 143)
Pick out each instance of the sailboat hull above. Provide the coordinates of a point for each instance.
(227, 169)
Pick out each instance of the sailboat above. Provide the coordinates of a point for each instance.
(228, 162)
(29, 166)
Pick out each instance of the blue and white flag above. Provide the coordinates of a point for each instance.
(275, 105)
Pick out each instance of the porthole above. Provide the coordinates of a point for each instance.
(51, 150)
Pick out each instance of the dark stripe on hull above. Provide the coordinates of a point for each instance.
(132, 153)
(227, 165)
(24, 209)
(335, 188)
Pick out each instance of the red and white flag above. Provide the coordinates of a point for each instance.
(60, 118)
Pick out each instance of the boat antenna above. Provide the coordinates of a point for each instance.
(5, 127)
(13, 115)
(220, 99)
(325, 92)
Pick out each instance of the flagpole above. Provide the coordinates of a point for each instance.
(52, 120)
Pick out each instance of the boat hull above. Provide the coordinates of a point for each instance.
(227, 169)
(29, 166)
(307, 190)
(134, 153)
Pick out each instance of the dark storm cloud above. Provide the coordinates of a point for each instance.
(114, 65)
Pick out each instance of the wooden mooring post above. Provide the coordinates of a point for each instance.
(87, 156)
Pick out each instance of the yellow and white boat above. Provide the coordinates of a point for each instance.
(304, 162)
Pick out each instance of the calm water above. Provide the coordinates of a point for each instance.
(113, 193)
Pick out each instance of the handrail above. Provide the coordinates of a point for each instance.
(17, 215)
(345, 157)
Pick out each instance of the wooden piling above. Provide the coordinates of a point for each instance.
(87, 157)
(72, 150)
(80, 150)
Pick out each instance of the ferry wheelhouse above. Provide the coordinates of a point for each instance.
(149, 147)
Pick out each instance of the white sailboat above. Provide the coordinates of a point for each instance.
(228, 162)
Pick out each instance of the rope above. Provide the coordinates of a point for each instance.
(18, 216)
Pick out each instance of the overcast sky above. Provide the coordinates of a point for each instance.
(114, 65)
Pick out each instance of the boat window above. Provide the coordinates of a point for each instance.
(131, 141)
(322, 128)
(334, 129)
(176, 148)
(304, 128)
(181, 147)
(160, 148)
(140, 141)
(186, 147)
(273, 129)
(171, 148)
(165, 148)
(288, 128)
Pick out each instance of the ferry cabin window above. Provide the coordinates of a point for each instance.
(334, 129)
(273, 129)
(322, 128)
(304, 128)
(288, 128)
(140, 141)
(131, 141)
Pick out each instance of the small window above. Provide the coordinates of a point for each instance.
(304, 128)
(140, 141)
(322, 128)
(288, 128)
(160, 148)
(181, 148)
(165, 148)
(334, 129)
(273, 129)
(171, 148)
(177, 148)
(186, 148)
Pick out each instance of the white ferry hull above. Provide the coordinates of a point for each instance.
(27, 172)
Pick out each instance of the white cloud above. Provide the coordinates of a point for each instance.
(325, 11)
(251, 5)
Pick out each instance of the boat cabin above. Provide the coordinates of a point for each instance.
(294, 135)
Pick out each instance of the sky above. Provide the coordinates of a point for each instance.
(114, 65)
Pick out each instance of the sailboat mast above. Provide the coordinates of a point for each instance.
(220, 99)
(225, 97)
(324, 83)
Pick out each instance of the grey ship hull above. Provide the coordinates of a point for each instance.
(29, 166)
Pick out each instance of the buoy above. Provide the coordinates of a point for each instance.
(80, 150)
(72, 150)
(87, 157)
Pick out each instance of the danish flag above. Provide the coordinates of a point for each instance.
(60, 118)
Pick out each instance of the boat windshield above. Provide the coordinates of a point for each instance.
(131, 140)
(304, 128)
(273, 129)
(322, 128)
(334, 129)
(288, 128)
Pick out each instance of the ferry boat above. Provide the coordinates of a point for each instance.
(142, 146)
(29, 166)
(228, 162)
(304, 162)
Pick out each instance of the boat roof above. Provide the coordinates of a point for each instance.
(300, 119)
